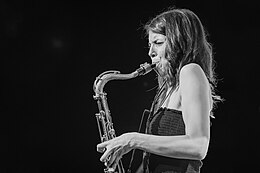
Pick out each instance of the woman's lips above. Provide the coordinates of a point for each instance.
(155, 60)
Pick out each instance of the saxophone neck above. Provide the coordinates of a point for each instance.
(107, 76)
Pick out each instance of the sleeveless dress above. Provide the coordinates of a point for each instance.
(169, 122)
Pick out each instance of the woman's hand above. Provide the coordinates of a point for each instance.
(115, 148)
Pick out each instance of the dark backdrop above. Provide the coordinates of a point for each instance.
(52, 52)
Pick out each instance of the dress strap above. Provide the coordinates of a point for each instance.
(164, 99)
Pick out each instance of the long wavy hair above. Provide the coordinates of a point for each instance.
(186, 43)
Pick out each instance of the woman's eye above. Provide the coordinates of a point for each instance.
(158, 42)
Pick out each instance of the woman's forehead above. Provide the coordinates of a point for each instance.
(154, 36)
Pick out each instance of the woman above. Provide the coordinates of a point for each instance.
(178, 129)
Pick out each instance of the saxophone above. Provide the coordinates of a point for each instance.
(104, 119)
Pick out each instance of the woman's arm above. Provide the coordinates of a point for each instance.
(195, 104)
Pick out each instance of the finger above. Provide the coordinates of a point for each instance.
(101, 146)
(112, 157)
(117, 156)
(101, 149)
(115, 163)
(106, 154)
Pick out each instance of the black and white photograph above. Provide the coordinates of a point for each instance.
(169, 86)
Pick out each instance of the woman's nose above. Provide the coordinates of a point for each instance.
(152, 53)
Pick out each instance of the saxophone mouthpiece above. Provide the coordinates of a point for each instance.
(145, 68)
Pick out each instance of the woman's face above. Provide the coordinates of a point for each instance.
(157, 45)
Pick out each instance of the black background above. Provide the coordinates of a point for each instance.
(52, 52)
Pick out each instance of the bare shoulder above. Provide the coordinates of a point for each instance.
(191, 69)
(193, 74)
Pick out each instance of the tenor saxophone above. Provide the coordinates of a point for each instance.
(104, 119)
